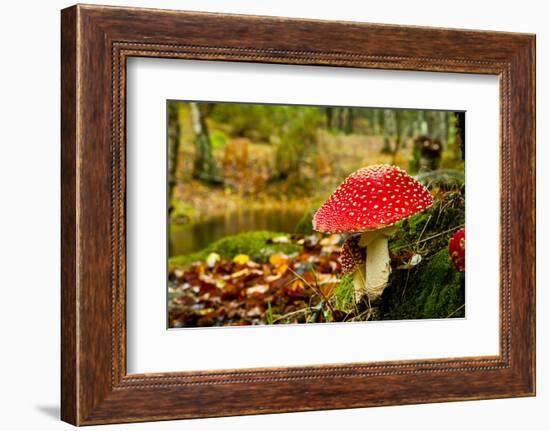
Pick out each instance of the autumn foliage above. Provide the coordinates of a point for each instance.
(240, 291)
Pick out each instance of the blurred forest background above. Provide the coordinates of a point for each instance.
(262, 169)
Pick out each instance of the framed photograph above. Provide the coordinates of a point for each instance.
(322, 214)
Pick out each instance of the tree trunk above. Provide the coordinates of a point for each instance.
(387, 128)
(349, 121)
(420, 125)
(341, 114)
(398, 116)
(461, 131)
(329, 116)
(173, 149)
(444, 126)
(375, 125)
(204, 167)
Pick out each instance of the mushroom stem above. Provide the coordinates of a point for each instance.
(359, 282)
(377, 267)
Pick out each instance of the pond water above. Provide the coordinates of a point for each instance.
(188, 238)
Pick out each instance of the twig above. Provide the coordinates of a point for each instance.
(442, 233)
(416, 251)
(316, 289)
(462, 306)
(431, 237)
(292, 313)
(367, 312)
(316, 311)
(406, 283)
(423, 230)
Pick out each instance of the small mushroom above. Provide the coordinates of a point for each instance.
(352, 260)
(370, 202)
(457, 249)
(352, 254)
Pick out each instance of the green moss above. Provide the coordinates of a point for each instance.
(183, 261)
(429, 231)
(442, 288)
(433, 289)
(415, 225)
(344, 298)
(447, 179)
(257, 245)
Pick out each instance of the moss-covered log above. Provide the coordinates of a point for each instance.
(424, 283)
(435, 290)
(258, 245)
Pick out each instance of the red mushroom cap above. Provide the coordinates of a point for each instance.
(372, 198)
(351, 255)
(457, 249)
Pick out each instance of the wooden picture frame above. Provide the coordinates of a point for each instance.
(95, 43)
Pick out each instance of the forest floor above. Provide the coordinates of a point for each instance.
(284, 288)
(272, 278)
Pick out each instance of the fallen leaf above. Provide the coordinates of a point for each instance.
(271, 278)
(241, 259)
(280, 240)
(241, 273)
(212, 259)
(328, 289)
(231, 291)
(254, 312)
(278, 259)
(259, 288)
(281, 269)
(413, 261)
(331, 240)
